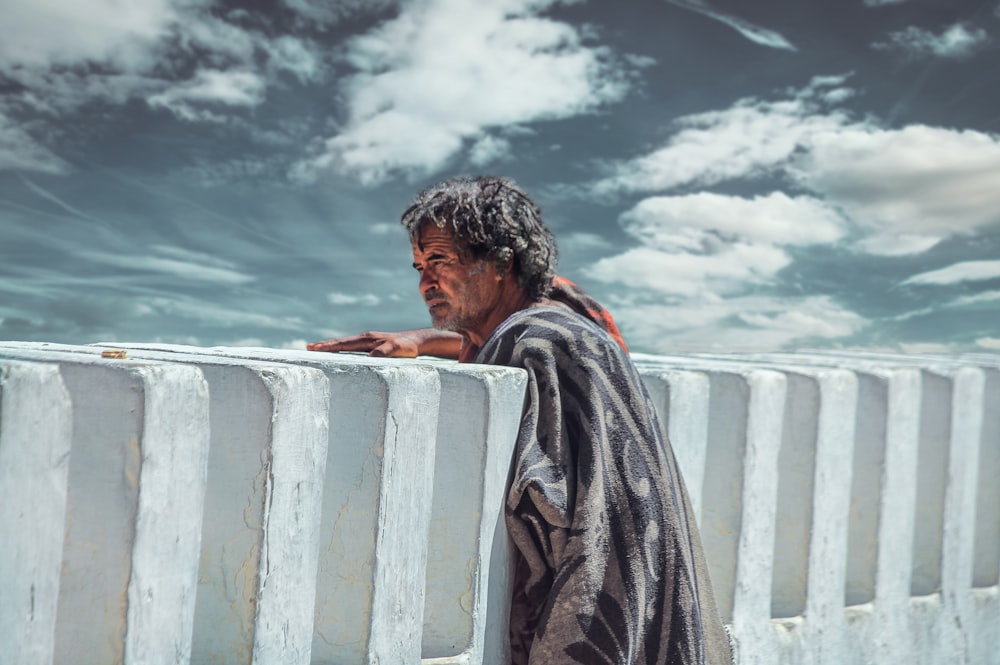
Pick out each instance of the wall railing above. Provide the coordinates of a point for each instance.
(172, 504)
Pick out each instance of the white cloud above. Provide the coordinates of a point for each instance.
(928, 347)
(966, 271)
(708, 245)
(52, 32)
(489, 149)
(880, 3)
(730, 268)
(959, 41)
(296, 56)
(751, 138)
(365, 300)
(226, 88)
(991, 343)
(184, 269)
(755, 33)
(20, 152)
(65, 55)
(327, 12)
(737, 324)
(922, 182)
(896, 244)
(904, 189)
(446, 73)
(977, 299)
(694, 221)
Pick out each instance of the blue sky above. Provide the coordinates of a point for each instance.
(722, 175)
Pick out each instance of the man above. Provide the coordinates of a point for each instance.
(609, 565)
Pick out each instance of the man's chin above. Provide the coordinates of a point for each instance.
(443, 323)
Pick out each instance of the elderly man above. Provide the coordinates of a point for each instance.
(609, 564)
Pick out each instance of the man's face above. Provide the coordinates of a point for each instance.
(459, 295)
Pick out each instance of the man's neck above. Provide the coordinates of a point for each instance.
(512, 299)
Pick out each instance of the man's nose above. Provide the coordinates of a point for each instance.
(428, 278)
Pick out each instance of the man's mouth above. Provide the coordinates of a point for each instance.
(435, 300)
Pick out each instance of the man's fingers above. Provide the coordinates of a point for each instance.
(380, 344)
(384, 350)
(364, 342)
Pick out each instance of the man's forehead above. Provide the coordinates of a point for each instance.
(433, 236)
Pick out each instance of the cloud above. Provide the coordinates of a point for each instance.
(366, 300)
(19, 151)
(707, 244)
(957, 42)
(296, 56)
(172, 267)
(736, 324)
(214, 87)
(881, 3)
(752, 138)
(729, 268)
(43, 33)
(754, 33)
(445, 74)
(691, 222)
(176, 54)
(990, 343)
(915, 184)
(904, 189)
(329, 13)
(966, 271)
(989, 297)
(489, 149)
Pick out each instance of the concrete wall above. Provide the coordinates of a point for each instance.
(235, 505)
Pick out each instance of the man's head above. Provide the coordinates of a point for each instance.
(490, 218)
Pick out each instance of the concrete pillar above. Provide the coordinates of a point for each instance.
(136, 484)
(36, 421)
(376, 506)
(681, 400)
(944, 536)
(746, 408)
(467, 592)
(263, 507)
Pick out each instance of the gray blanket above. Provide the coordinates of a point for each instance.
(610, 567)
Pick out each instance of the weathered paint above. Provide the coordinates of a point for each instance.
(833, 488)
(136, 483)
(36, 420)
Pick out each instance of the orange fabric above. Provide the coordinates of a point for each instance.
(579, 301)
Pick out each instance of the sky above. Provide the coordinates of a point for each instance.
(721, 175)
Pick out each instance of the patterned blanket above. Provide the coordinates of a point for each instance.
(610, 566)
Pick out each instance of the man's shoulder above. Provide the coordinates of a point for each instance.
(545, 320)
(549, 329)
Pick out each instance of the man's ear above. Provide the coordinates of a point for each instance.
(507, 271)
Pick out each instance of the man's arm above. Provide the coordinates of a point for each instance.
(402, 344)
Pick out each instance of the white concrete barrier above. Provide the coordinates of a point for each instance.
(739, 496)
(36, 426)
(922, 599)
(448, 530)
(135, 491)
(465, 586)
(266, 476)
(353, 506)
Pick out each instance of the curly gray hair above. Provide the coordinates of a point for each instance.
(490, 218)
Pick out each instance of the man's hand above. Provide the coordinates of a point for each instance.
(403, 344)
